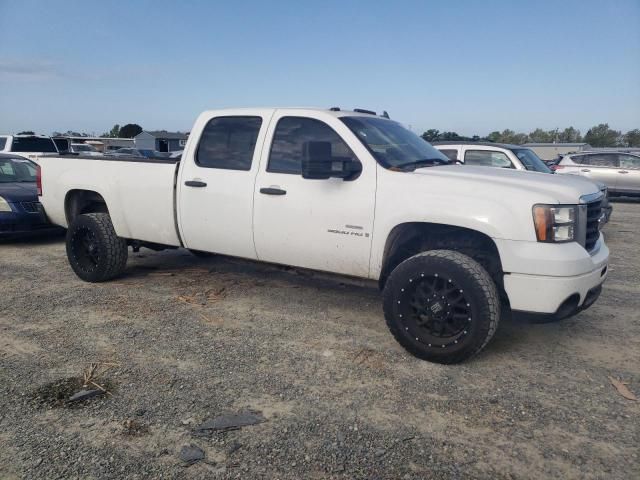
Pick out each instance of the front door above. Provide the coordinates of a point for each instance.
(317, 224)
(216, 184)
(628, 174)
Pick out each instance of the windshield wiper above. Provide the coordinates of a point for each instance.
(427, 162)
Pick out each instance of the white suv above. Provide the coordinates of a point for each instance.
(30, 146)
(499, 155)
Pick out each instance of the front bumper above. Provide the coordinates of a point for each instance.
(20, 222)
(559, 292)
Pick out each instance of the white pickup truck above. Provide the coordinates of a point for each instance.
(351, 193)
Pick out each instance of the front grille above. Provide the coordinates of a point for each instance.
(31, 207)
(594, 210)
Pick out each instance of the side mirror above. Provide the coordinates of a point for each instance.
(319, 164)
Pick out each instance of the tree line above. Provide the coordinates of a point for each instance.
(598, 136)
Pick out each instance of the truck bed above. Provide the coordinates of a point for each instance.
(140, 193)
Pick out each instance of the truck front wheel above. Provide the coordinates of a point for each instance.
(95, 252)
(441, 306)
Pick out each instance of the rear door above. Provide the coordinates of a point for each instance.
(628, 174)
(602, 167)
(216, 183)
(317, 224)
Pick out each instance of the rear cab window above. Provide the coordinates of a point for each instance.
(228, 142)
(33, 144)
(3, 142)
(487, 158)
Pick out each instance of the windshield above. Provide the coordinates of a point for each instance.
(17, 170)
(530, 160)
(392, 145)
(33, 144)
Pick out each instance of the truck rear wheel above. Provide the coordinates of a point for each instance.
(441, 306)
(95, 252)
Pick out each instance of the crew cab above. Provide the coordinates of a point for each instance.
(351, 193)
(30, 146)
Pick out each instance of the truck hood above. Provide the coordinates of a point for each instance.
(543, 186)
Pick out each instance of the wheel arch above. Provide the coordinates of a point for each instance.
(410, 238)
(79, 201)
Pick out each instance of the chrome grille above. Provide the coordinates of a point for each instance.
(594, 210)
(31, 207)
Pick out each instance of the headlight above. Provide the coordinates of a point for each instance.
(4, 205)
(555, 223)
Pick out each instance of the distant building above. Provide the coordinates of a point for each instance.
(161, 141)
(549, 151)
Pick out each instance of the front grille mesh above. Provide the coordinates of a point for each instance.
(31, 207)
(594, 210)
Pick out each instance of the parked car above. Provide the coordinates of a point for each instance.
(85, 149)
(136, 153)
(302, 187)
(20, 210)
(619, 171)
(503, 155)
(30, 146)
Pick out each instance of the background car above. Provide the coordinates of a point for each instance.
(85, 149)
(20, 210)
(501, 155)
(136, 153)
(620, 172)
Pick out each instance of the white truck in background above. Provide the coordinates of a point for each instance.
(351, 193)
(29, 146)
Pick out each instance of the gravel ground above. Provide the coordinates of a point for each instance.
(187, 339)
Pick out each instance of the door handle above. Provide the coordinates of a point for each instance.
(273, 191)
(195, 183)
(585, 170)
(622, 171)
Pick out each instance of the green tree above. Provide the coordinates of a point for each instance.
(542, 136)
(27, 132)
(113, 133)
(431, 135)
(603, 136)
(449, 136)
(569, 135)
(494, 136)
(130, 130)
(632, 138)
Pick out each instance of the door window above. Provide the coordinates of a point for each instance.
(601, 160)
(487, 158)
(228, 143)
(450, 154)
(629, 161)
(291, 141)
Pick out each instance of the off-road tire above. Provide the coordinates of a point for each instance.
(475, 287)
(110, 255)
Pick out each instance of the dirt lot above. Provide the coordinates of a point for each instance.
(189, 339)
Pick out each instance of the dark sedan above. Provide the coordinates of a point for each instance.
(20, 211)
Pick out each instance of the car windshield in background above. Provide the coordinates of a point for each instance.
(530, 160)
(84, 148)
(33, 144)
(17, 170)
(392, 145)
